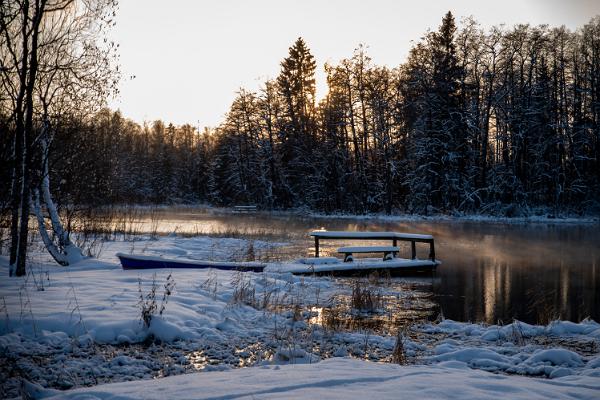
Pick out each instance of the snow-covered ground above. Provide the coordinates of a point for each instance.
(82, 326)
(343, 378)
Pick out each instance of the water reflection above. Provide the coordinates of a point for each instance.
(491, 271)
(400, 303)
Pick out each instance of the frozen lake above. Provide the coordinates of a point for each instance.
(491, 272)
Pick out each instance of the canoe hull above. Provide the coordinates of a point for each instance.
(129, 262)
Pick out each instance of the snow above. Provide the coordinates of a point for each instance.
(340, 378)
(367, 235)
(86, 317)
(542, 362)
(560, 357)
(306, 267)
(397, 217)
(98, 298)
(318, 260)
(588, 328)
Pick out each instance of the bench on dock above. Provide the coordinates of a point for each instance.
(389, 252)
(395, 237)
(244, 209)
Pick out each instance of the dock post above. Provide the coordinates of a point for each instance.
(316, 247)
(431, 250)
(413, 249)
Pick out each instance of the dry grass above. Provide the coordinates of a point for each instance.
(380, 278)
(516, 334)
(364, 299)
(211, 284)
(148, 303)
(398, 353)
(244, 291)
(333, 319)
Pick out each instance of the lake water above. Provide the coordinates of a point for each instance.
(491, 272)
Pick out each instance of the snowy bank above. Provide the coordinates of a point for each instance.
(342, 378)
(85, 322)
(535, 219)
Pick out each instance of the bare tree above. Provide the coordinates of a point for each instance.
(53, 62)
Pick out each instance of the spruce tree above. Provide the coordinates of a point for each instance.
(296, 86)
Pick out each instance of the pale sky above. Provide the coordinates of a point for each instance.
(190, 57)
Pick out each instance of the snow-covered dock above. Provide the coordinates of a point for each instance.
(395, 237)
(315, 264)
(335, 265)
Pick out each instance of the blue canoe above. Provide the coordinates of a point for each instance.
(131, 261)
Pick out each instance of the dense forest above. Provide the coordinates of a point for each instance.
(501, 121)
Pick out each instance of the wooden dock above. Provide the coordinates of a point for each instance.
(395, 237)
(244, 209)
(361, 266)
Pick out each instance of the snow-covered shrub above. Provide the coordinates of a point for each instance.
(516, 335)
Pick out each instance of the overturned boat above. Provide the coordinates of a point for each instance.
(134, 261)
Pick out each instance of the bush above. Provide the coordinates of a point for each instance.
(147, 302)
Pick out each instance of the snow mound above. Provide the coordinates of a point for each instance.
(560, 357)
(341, 378)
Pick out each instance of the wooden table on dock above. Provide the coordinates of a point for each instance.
(393, 236)
(245, 209)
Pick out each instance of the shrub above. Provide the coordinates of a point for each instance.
(147, 302)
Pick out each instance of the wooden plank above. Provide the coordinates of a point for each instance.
(407, 237)
(368, 249)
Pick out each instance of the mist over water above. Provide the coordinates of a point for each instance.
(490, 272)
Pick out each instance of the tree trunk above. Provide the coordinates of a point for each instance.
(19, 147)
(27, 140)
(65, 252)
(15, 203)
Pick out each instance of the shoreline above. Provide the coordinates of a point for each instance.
(542, 218)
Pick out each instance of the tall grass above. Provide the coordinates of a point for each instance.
(399, 352)
(365, 299)
(244, 291)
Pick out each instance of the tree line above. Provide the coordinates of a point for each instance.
(497, 121)
(501, 121)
